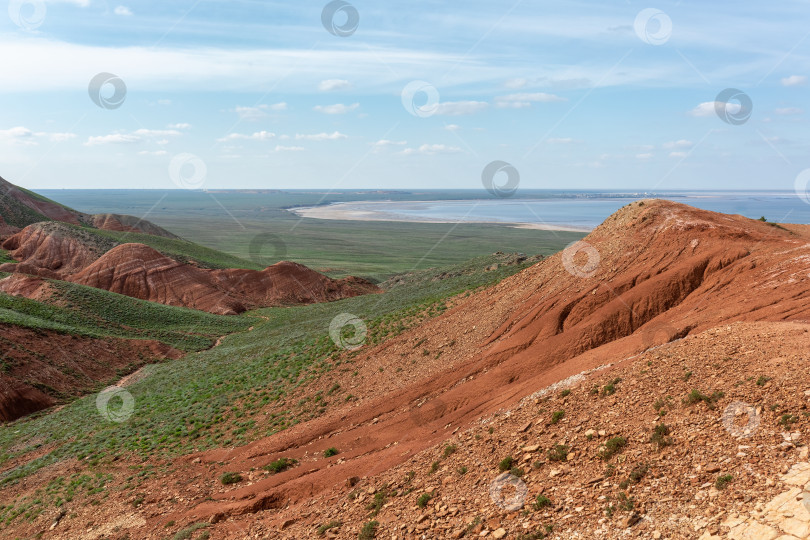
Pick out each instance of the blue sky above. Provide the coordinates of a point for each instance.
(259, 94)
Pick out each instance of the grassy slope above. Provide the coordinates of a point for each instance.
(367, 249)
(86, 311)
(16, 214)
(214, 398)
(179, 250)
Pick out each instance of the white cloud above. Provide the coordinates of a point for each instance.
(516, 83)
(280, 148)
(330, 85)
(59, 137)
(703, 110)
(153, 153)
(386, 142)
(24, 136)
(260, 111)
(646, 155)
(458, 108)
(257, 136)
(157, 133)
(123, 11)
(179, 126)
(80, 3)
(560, 140)
(683, 143)
(523, 100)
(321, 136)
(337, 108)
(164, 102)
(789, 111)
(794, 80)
(18, 135)
(432, 149)
(113, 138)
(452, 127)
(678, 154)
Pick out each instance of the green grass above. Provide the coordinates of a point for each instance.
(90, 312)
(280, 465)
(217, 397)
(368, 249)
(369, 531)
(230, 478)
(5, 257)
(612, 447)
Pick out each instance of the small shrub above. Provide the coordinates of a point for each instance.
(280, 465)
(516, 471)
(541, 502)
(230, 478)
(609, 389)
(762, 380)
(369, 531)
(423, 499)
(449, 450)
(565, 393)
(696, 396)
(462, 470)
(687, 376)
(659, 436)
(506, 463)
(626, 503)
(558, 453)
(433, 467)
(326, 526)
(186, 533)
(637, 474)
(787, 419)
(329, 452)
(723, 481)
(612, 447)
(379, 500)
(557, 416)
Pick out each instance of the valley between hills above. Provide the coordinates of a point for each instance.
(646, 381)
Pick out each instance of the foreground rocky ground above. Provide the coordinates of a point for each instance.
(660, 392)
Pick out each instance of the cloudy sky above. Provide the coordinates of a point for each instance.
(417, 94)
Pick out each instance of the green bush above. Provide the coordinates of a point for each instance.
(612, 447)
(541, 502)
(506, 463)
(369, 531)
(280, 465)
(329, 452)
(723, 481)
(660, 436)
(558, 452)
(230, 478)
(557, 416)
(423, 499)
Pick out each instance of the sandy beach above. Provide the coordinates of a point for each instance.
(372, 211)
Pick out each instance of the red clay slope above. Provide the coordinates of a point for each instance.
(49, 249)
(139, 271)
(34, 378)
(665, 270)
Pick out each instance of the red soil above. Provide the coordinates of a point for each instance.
(35, 378)
(118, 222)
(44, 250)
(141, 272)
(665, 270)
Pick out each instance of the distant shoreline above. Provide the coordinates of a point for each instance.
(359, 211)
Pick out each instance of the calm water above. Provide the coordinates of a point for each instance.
(587, 213)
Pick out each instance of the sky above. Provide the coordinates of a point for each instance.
(185, 94)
